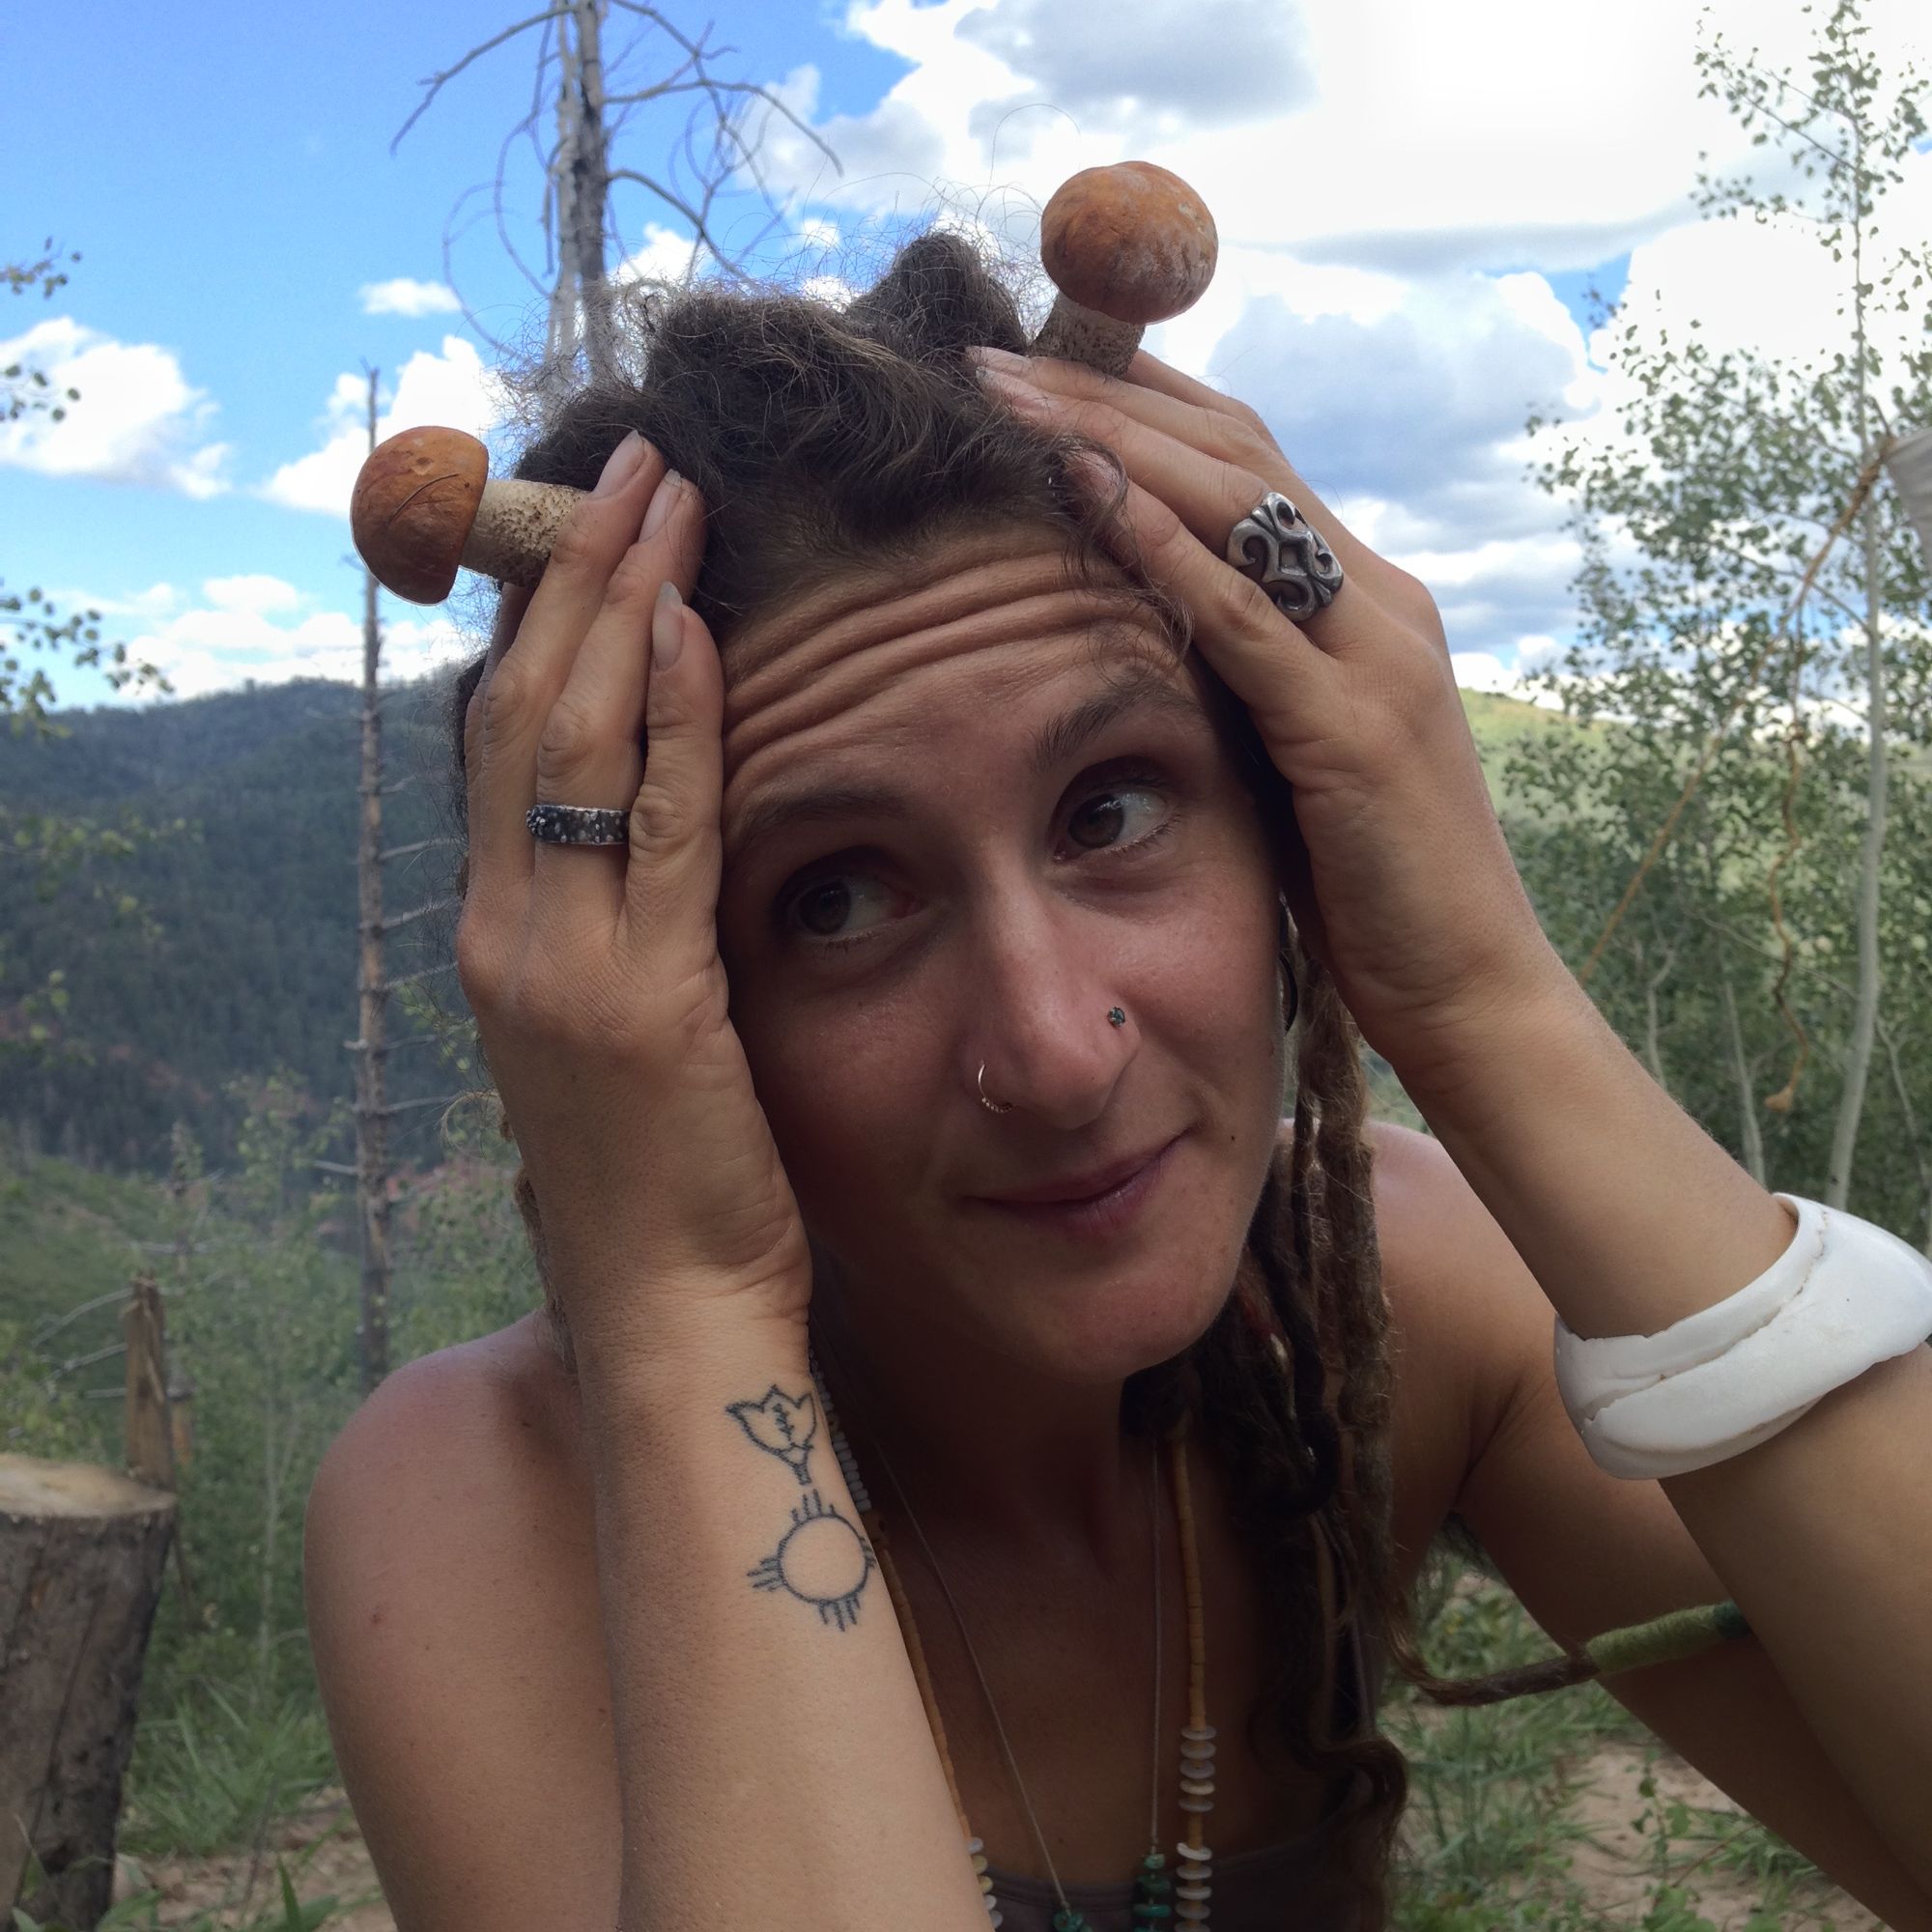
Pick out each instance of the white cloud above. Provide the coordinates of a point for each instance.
(450, 386)
(403, 296)
(139, 420)
(1481, 670)
(255, 596)
(237, 628)
(1383, 175)
(1185, 63)
(663, 256)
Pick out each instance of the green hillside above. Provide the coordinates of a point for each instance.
(243, 957)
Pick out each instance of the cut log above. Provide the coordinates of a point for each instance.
(82, 1550)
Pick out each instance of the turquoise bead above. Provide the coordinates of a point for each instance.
(1069, 1920)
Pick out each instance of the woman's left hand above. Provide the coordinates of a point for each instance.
(1411, 899)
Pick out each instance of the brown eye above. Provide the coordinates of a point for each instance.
(828, 902)
(821, 909)
(1107, 812)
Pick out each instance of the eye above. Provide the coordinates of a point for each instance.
(821, 910)
(1108, 810)
(822, 907)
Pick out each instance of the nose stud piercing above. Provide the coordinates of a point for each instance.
(1115, 1016)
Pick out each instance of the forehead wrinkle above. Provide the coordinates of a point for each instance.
(862, 610)
(821, 682)
(948, 577)
(1143, 683)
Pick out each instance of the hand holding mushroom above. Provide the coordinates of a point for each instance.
(1125, 246)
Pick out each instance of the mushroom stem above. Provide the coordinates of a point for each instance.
(1079, 334)
(516, 525)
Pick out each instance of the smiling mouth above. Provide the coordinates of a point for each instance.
(1083, 1187)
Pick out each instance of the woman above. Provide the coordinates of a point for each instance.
(1004, 889)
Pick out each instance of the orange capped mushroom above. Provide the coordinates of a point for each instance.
(1125, 246)
(423, 506)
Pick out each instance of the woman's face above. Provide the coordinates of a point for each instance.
(949, 838)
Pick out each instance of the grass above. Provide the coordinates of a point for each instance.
(1492, 1828)
(1489, 1841)
(216, 1772)
(143, 1911)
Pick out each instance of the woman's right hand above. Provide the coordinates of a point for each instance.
(600, 999)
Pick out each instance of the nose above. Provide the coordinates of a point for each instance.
(1043, 990)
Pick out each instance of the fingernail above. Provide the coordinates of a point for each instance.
(620, 466)
(662, 500)
(666, 627)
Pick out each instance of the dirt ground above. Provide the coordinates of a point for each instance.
(1614, 1865)
(326, 1856)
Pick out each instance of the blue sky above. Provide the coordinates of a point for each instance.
(1411, 208)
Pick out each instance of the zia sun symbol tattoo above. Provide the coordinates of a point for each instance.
(821, 1559)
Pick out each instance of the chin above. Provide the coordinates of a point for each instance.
(1108, 1332)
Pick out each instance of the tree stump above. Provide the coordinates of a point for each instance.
(82, 1555)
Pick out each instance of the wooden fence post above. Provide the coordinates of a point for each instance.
(83, 1550)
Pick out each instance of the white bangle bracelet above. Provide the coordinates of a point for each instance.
(1843, 1296)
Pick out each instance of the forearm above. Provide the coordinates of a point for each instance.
(775, 1763)
(1631, 1218)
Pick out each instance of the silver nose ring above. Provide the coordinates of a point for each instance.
(1115, 1016)
(991, 1106)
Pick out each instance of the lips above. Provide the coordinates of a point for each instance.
(1085, 1185)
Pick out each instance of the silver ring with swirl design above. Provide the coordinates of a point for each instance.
(1278, 548)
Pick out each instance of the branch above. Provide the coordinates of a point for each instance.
(410, 979)
(407, 918)
(422, 845)
(435, 84)
(404, 1106)
(1867, 477)
(469, 315)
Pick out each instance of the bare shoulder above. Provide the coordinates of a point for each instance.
(452, 1606)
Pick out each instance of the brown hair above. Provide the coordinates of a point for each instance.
(826, 440)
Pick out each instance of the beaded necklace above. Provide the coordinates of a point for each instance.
(1191, 1886)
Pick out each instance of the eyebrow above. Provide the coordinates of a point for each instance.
(1140, 688)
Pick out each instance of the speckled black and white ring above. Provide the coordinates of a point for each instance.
(577, 825)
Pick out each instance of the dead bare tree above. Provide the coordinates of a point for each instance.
(372, 995)
(588, 99)
(372, 1045)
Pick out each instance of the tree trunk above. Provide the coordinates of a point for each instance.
(82, 1550)
(1871, 851)
(371, 1046)
(1734, 1039)
(581, 183)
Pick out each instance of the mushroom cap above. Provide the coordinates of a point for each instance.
(1131, 242)
(413, 507)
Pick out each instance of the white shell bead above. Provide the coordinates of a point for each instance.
(1198, 1892)
(976, 1844)
(1198, 1732)
(1191, 1912)
(1198, 1787)
(1197, 1804)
